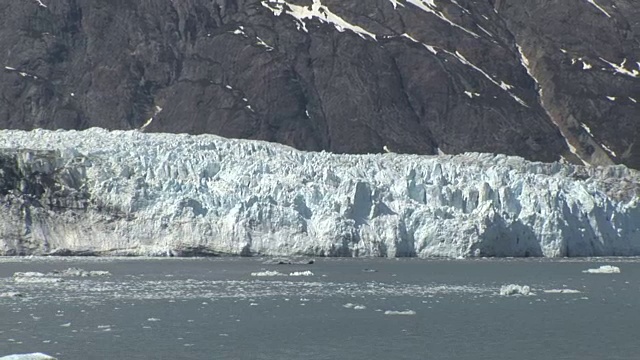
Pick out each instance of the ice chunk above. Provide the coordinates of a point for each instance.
(32, 356)
(301, 273)
(37, 280)
(11, 294)
(77, 272)
(604, 269)
(513, 289)
(562, 291)
(395, 312)
(267, 273)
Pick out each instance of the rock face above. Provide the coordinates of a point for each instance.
(131, 193)
(346, 76)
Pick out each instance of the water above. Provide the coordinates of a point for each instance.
(214, 308)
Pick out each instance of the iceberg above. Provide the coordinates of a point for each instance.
(96, 192)
(33, 356)
(604, 269)
(514, 289)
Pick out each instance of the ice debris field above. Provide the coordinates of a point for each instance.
(132, 193)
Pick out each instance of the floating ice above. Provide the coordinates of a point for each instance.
(267, 273)
(354, 306)
(32, 356)
(301, 273)
(604, 269)
(36, 280)
(79, 273)
(513, 289)
(11, 294)
(29, 274)
(562, 291)
(394, 312)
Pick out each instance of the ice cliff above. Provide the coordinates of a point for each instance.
(128, 192)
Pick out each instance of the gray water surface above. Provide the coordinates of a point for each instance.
(215, 309)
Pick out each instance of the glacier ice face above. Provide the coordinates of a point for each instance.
(132, 193)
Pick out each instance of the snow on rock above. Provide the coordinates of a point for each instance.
(513, 289)
(604, 269)
(315, 11)
(132, 193)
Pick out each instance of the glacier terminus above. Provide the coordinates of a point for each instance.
(96, 192)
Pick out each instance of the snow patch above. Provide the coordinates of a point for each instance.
(314, 11)
(621, 69)
(593, 2)
(586, 128)
(504, 86)
(239, 31)
(607, 149)
(430, 7)
(431, 48)
(264, 44)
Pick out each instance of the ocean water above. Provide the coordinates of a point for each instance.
(222, 308)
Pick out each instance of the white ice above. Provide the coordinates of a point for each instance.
(513, 289)
(604, 269)
(562, 291)
(403, 312)
(161, 194)
(32, 356)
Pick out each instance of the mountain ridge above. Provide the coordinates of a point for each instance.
(541, 80)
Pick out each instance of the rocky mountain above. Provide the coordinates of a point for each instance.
(537, 78)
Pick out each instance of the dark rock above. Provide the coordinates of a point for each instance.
(236, 69)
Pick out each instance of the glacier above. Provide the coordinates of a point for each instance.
(96, 192)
